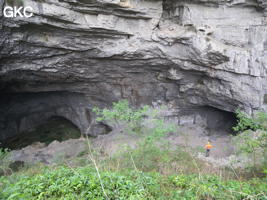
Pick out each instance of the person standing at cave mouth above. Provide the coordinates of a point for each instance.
(208, 147)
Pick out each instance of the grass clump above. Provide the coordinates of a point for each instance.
(82, 183)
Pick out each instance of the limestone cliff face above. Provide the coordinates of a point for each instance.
(74, 54)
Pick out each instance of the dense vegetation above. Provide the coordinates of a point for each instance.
(83, 183)
(251, 140)
(245, 122)
(152, 170)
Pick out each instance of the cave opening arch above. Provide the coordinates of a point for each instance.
(55, 128)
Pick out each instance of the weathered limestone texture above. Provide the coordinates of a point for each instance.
(75, 54)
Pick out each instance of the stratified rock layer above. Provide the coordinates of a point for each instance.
(75, 54)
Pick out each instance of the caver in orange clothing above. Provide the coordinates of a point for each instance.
(208, 146)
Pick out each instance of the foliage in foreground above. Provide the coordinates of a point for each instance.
(86, 183)
(252, 138)
(4, 152)
(82, 183)
(245, 122)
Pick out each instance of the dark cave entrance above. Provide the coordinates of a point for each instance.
(215, 121)
(31, 117)
(219, 122)
(55, 128)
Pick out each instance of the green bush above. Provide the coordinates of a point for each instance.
(4, 162)
(252, 137)
(213, 187)
(122, 114)
(246, 122)
(3, 153)
(82, 183)
(145, 120)
(150, 124)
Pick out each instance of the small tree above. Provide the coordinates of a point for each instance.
(252, 137)
(147, 122)
(252, 143)
(248, 123)
(122, 114)
(144, 120)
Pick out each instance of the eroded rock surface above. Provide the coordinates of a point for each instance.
(79, 54)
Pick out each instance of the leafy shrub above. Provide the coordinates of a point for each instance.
(122, 114)
(250, 123)
(82, 183)
(251, 141)
(262, 120)
(144, 120)
(252, 138)
(212, 187)
(253, 144)
(4, 168)
(3, 153)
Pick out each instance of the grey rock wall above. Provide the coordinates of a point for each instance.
(185, 53)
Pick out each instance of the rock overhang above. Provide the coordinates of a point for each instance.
(183, 53)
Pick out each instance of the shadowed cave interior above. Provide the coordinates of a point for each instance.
(219, 120)
(55, 128)
(28, 118)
